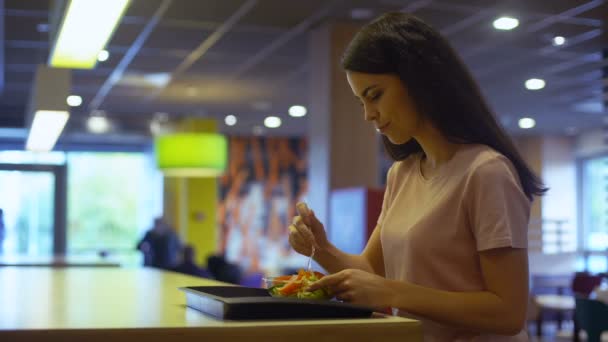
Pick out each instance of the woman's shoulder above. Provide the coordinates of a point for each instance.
(484, 161)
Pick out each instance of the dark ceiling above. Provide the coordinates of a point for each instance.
(252, 59)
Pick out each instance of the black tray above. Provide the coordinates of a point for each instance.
(247, 303)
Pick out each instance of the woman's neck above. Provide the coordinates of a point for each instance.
(438, 150)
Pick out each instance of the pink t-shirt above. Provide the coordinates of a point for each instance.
(432, 230)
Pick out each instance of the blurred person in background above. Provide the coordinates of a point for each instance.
(450, 246)
(187, 264)
(160, 245)
(222, 270)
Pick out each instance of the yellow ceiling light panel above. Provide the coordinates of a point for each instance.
(85, 29)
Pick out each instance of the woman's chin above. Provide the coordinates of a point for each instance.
(397, 140)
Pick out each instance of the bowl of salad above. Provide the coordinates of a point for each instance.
(296, 286)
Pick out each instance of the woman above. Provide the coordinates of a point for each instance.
(450, 247)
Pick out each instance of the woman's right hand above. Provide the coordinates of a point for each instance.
(306, 230)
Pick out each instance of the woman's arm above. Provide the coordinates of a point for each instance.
(500, 309)
(371, 260)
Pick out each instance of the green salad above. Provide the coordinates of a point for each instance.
(295, 286)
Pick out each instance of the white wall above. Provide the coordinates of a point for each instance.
(559, 174)
(563, 263)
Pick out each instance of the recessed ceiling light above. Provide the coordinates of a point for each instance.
(103, 55)
(74, 100)
(527, 123)
(505, 23)
(230, 120)
(558, 41)
(535, 84)
(297, 111)
(98, 124)
(272, 122)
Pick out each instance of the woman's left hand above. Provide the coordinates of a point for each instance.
(357, 287)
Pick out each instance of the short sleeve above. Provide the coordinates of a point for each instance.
(498, 209)
(386, 199)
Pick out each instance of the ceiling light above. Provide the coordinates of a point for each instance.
(156, 80)
(230, 120)
(46, 129)
(160, 124)
(505, 23)
(527, 123)
(297, 111)
(191, 154)
(74, 100)
(85, 29)
(558, 41)
(98, 124)
(272, 122)
(535, 84)
(103, 55)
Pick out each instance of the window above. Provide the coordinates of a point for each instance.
(113, 197)
(112, 200)
(595, 212)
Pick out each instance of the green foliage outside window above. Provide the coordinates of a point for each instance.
(103, 194)
(595, 203)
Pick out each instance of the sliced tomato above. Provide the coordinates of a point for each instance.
(290, 288)
(283, 279)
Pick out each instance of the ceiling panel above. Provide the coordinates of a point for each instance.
(202, 10)
(265, 12)
(501, 61)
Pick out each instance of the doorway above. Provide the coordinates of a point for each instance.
(33, 201)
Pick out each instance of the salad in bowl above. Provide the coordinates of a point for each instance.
(296, 286)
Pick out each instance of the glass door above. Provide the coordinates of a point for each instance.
(33, 211)
(27, 205)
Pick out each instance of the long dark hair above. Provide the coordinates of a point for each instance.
(439, 83)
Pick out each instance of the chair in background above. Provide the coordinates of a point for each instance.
(583, 284)
(550, 300)
(592, 316)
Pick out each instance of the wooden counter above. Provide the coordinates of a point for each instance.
(122, 304)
